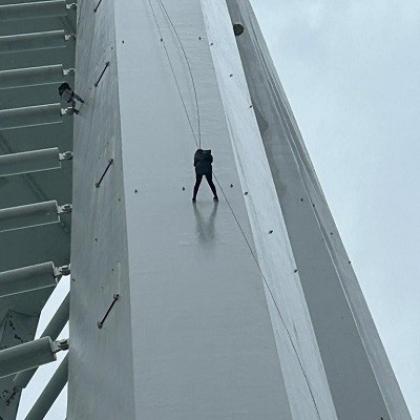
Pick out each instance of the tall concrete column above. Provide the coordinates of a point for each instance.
(210, 321)
(183, 310)
(362, 383)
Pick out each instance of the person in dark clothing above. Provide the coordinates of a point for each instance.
(202, 163)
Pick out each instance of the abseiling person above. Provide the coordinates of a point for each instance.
(203, 160)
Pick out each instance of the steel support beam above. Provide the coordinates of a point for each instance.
(22, 280)
(38, 214)
(30, 116)
(35, 10)
(52, 330)
(50, 393)
(32, 76)
(32, 41)
(29, 355)
(28, 162)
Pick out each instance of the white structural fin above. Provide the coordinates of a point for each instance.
(306, 384)
(183, 310)
(200, 316)
(362, 383)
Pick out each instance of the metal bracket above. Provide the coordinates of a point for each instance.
(107, 64)
(65, 156)
(68, 111)
(97, 6)
(98, 184)
(63, 344)
(68, 72)
(64, 270)
(102, 321)
(69, 37)
(60, 345)
(65, 209)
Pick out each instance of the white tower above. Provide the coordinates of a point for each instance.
(246, 308)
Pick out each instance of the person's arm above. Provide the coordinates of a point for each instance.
(195, 159)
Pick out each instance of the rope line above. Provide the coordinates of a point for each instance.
(173, 73)
(289, 334)
(246, 240)
(197, 136)
(236, 219)
(191, 74)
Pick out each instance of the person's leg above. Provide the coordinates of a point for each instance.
(198, 179)
(209, 178)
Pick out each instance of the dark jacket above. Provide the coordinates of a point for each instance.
(202, 162)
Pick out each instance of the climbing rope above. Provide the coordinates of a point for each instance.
(248, 243)
(197, 136)
(197, 104)
(197, 139)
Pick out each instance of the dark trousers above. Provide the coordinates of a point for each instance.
(198, 178)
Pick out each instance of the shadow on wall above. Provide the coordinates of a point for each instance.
(205, 223)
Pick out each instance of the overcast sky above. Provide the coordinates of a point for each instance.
(351, 71)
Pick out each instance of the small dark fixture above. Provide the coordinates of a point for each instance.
(238, 29)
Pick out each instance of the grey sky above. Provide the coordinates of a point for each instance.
(351, 72)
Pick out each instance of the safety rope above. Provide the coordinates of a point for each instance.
(289, 334)
(197, 136)
(194, 86)
(236, 219)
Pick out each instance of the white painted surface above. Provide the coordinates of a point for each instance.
(192, 332)
(302, 368)
(353, 355)
(203, 343)
(100, 364)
